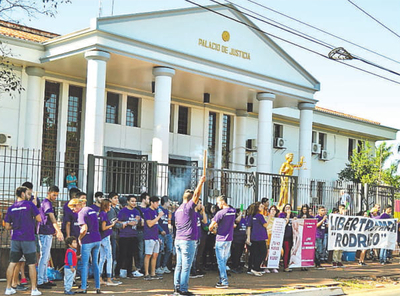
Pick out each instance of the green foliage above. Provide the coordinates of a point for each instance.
(366, 166)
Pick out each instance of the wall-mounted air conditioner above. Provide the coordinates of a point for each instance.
(279, 143)
(5, 140)
(316, 148)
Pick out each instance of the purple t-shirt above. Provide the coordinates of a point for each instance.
(103, 217)
(150, 232)
(258, 231)
(72, 218)
(22, 217)
(88, 216)
(225, 219)
(385, 216)
(322, 228)
(186, 222)
(127, 215)
(163, 222)
(95, 207)
(46, 226)
(239, 233)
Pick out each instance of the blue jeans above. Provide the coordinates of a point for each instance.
(45, 248)
(165, 247)
(325, 249)
(113, 240)
(184, 258)
(319, 254)
(86, 251)
(383, 256)
(68, 278)
(222, 252)
(106, 254)
(140, 238)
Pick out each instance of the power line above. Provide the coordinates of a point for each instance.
(323, 31)
(307, 38)
(358, 7)
(287, 41)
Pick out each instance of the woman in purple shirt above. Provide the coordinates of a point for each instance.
(288, 237)
(258, 238)
(105, 244)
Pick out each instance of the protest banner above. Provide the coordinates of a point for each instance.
(276, 240)
(352, 233)
(303, 250)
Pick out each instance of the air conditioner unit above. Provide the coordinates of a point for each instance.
(316, 148)
(251, 144)
(5, 140)
(251, 160)
(323, 155)
(279, 143)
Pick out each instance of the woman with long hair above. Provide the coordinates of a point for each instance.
(305, 212)
(258, 238)
(288, 237)
(273, 213)
(105, 244)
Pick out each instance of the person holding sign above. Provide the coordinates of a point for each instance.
(322, 224)
(288, 237)
(337, 254)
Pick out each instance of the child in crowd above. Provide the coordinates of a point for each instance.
(70, 264)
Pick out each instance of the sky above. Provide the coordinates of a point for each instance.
(342, 88)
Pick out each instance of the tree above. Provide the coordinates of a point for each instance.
(367, 166)
(10, 81)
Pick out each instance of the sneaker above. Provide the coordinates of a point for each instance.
(36, 292)
(156, 277)
(340, 264)
(69, 293)
(116, 282)
(185, 293)
(228, 268)
(160, 270)
(287, 270)
(43, 286)
(50, 284)
(265, 271)
(221, 286)
(362, 263)
(166, 270)
(111, 283)
(334, 264)
(256, 273)
(137, 273)
(195, 275)
(147, 278)
(20, 287)
(10, 291)
(383, 263)
(24, 281)
(275, 270)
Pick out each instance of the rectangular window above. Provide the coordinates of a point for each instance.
(314, 137)
(171, 118)
(212, 135)
(183, 120)
(350, 148)
(322, 140)
(112, 110)
(132, 112)
(278, 131)
(226, 139)
(73, 141)
(50, 130)
(360, 145)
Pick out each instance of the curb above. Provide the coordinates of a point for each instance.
(328, 291)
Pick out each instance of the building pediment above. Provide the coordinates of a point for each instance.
(200, 34)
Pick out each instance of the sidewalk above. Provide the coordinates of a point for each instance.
(244, 284)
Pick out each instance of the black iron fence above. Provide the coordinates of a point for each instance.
(134, 176)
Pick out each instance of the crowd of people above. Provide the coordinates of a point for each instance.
(142, 236)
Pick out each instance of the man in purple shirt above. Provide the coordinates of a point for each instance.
(322, 224)
(224, 220)
(46, 229)
(165, 237)
(185, 240)
(20, 218)
(89, 239)
(151, 242)
(98, 197)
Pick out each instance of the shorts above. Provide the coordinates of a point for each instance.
(26, 248)
(151, 246)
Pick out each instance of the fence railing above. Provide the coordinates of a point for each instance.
(134, 176)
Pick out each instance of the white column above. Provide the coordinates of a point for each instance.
(162, 102)
(264, 136)
(34, 108)
(239, 154)
(62, 132)
(95, 105)
(305, 137)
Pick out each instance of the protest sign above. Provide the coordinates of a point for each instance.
(352, 233)
(303, 250)
(275, 245)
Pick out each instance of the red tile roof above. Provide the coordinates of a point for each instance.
(324, 110)
(24, 33)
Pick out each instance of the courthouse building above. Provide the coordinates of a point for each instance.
(168, 85)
